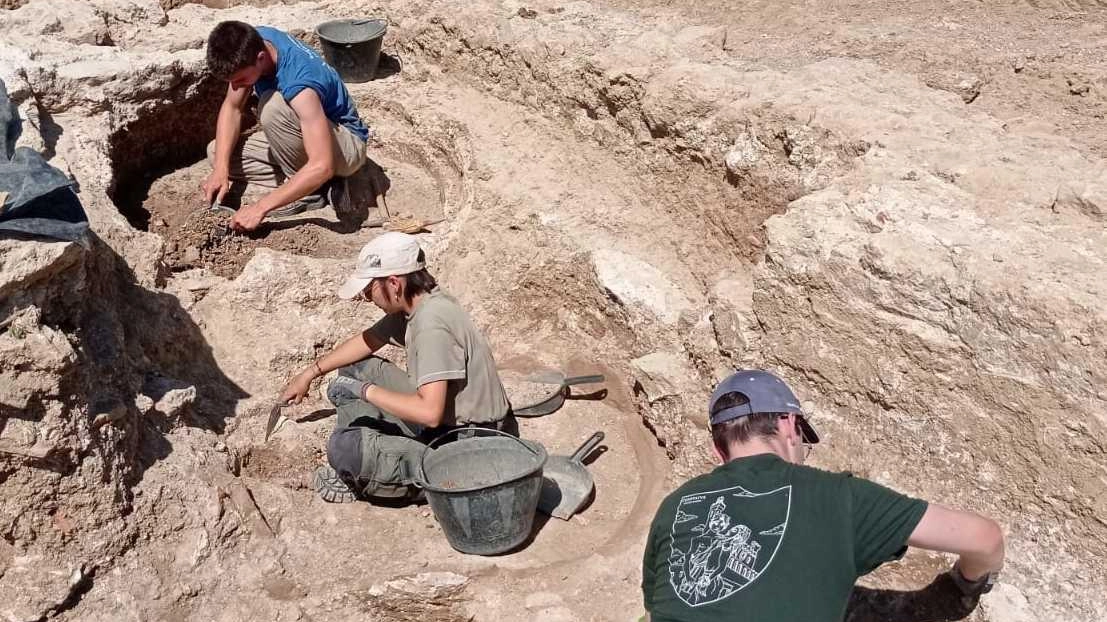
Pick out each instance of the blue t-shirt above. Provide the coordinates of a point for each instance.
(299, 68)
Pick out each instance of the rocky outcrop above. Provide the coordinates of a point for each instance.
(932, 287)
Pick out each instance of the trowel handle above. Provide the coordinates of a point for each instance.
(583, 380)
(587, 447)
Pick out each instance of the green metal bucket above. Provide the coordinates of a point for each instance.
(483, 489)
(353, 46)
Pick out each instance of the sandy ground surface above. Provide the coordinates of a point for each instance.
(528, 196)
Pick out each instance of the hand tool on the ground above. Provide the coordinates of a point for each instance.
(409, 225)
(557, 395)
(222, 230)
(274, 417)
(566, 482)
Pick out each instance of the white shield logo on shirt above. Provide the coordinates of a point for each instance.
(720, 545)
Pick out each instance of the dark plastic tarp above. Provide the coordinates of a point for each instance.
(40, 199)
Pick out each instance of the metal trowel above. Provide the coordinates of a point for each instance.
(274, 417)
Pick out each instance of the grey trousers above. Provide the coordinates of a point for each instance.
(374, 452)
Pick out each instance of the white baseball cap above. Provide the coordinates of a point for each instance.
(389, 254)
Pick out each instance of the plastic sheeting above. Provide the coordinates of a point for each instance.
(40, 199)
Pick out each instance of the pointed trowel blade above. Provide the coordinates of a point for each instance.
(274, 417)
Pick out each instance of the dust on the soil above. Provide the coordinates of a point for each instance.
(280, 464)
(522, 391)
(197, 236)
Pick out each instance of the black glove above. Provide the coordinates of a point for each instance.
(972, 589)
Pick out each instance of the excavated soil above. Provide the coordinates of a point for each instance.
(195, 236)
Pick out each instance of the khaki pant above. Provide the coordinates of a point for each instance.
(269, 157)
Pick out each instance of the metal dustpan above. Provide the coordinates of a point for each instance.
(566, 482)
(557, 394)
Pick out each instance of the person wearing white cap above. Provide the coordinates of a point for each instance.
(764, 537)
(386, 415)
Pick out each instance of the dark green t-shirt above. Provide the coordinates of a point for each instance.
(762, 539)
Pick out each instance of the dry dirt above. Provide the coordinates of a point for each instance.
(899, 207)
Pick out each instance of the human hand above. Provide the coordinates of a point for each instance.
(248, 217)
(297, 388)
(971, 588)
(215, 186)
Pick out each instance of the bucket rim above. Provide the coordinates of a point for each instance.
(376, 33)
(534, 446)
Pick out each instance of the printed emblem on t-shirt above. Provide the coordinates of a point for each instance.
(724, 540)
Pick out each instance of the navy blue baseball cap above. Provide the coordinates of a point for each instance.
(753, 391)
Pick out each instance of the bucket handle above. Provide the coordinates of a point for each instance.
(422, 479)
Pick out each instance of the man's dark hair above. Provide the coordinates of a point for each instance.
(420, 282)
(232, 46)
(743, 429)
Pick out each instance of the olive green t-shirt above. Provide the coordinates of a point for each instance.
(765, 540)
(442, 343)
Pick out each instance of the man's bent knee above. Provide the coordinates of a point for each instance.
(344, 452)
(272, 108)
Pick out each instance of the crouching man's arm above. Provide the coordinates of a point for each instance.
(318, 143)
(228, 128)
(976, 539)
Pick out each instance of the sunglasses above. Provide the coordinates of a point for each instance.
(366, 293)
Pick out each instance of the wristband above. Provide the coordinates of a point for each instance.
(318, 369)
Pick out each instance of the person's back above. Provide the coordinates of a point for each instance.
(442, 343)
(299, 67)
(744, 537)
(764, 538)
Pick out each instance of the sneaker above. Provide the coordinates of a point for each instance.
(308, 203)
(338, 194)
(330, 487)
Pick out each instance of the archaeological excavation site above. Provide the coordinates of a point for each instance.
(900, 209)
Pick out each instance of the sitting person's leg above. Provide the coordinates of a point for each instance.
(354, 411)
(371, 453)
(374, 464)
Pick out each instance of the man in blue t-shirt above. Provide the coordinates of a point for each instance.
(311, 136)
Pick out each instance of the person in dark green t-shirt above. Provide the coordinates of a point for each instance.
(764, 538)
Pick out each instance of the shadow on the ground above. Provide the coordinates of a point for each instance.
(940, 601)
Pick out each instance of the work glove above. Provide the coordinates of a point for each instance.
(972, 589)
(353, 385)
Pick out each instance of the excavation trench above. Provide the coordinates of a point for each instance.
(574, 248)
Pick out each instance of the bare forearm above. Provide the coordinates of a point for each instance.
(356, 348)
(410, 407)
(228, 127)
(976, 539)
(976, 564)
